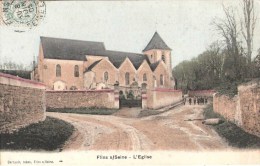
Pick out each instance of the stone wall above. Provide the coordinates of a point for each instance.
(227, 107)
(161, 69)
(67, 73)
(126, 66)
(98, 73)
(22, 102)
(145, 69)
(105, 98)
(249, 104)
(162, 97)
(201, 93)
(243, 109)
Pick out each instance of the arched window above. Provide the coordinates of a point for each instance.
(163, 58)
(76, 71)
(127, 78)
(106, 76)
(144, 77)
(58, 70)
(161, 79)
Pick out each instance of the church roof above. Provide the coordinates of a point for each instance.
(67, 49)
(156, 43)
(93, 65)
(118, 57)
(154, 65)
(56, 48)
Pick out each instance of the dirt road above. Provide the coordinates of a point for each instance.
(166, 131)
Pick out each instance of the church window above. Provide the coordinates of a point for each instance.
(76, 71)
(127, 78)
(144, 77)
(58, 70)
(106, 76)
(161, 79)
(163, 58)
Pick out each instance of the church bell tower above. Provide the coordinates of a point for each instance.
(157, 50)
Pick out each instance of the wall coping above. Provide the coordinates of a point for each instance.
(166, 90)
(250, 84)
(81, 91)
(217, 94)
(207, 91)
(8, 79)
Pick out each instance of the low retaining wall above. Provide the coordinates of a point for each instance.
(161, 97)
(243, 109)
(22, 102)
(83, 99)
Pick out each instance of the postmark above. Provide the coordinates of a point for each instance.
(23, 13)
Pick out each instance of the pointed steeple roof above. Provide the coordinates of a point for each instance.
(156, 43)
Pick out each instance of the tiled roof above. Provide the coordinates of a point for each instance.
(55, 48)
(154, 65)
(93, 65)
(118, 57)
(156, 43)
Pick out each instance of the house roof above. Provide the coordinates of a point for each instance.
(154, 65)
(156, 43)
(67, 49)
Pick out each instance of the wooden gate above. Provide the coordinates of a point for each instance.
(130, 103)
(130, 97)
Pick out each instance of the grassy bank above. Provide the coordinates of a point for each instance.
(93, 111)
(145, 113)
(48, 135)
(233, 134)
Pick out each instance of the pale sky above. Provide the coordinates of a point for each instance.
(123, 26)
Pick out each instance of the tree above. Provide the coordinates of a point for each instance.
(225, 63)
(202, 72)
(8, 64)
(233, 50)
(256, 65)
(248, 26)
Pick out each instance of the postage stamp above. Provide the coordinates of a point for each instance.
(23, 13)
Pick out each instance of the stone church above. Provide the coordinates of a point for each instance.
(65, 64)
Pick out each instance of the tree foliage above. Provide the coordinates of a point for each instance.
(202, 72)
(8, 64)
(227, 62)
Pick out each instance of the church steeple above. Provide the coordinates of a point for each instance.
(156, 43)
(157, 50)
